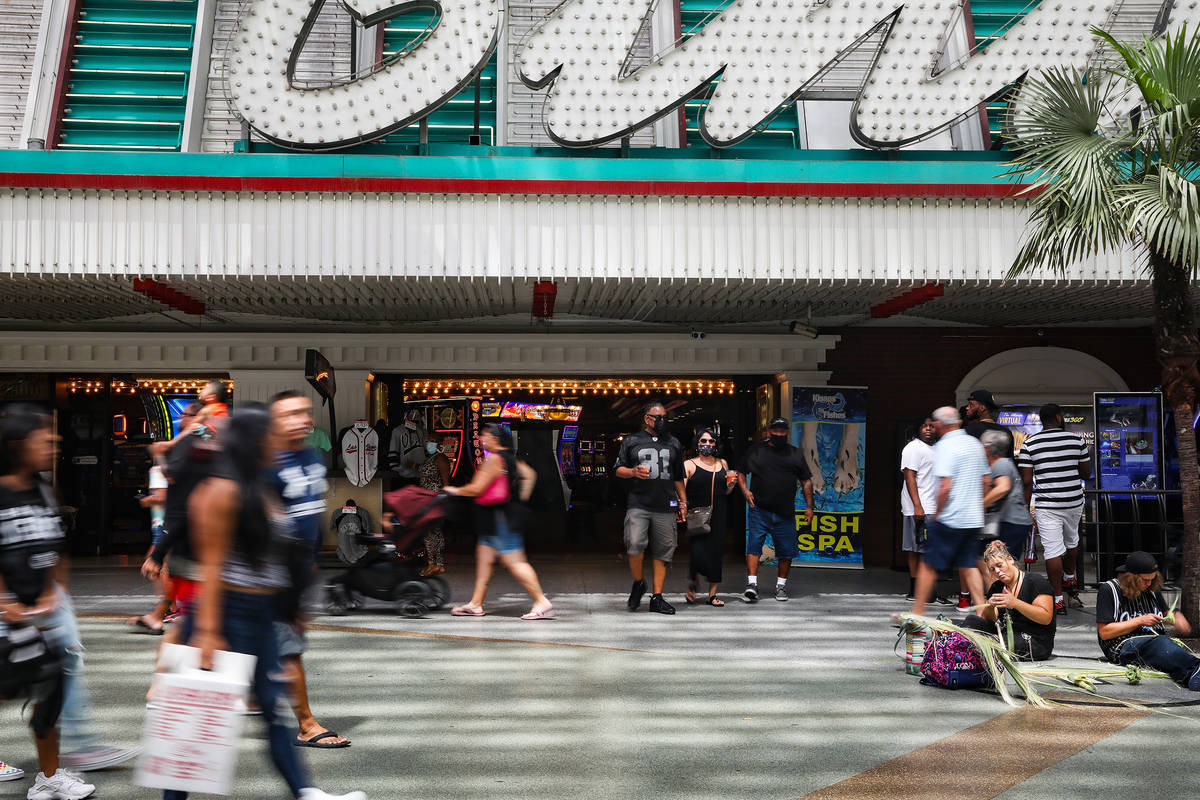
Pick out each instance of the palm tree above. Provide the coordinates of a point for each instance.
(1112, 158)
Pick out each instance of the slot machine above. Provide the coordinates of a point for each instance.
(568, 442)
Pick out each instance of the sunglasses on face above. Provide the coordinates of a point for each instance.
(657, 416)
(707, 441)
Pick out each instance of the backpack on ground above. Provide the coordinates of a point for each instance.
(952, 662)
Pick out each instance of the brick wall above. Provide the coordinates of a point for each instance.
(911, 371)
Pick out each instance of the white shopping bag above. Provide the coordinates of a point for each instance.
(194, 723)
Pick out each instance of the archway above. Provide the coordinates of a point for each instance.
(1036, 375)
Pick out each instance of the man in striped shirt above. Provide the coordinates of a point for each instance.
(1053, 464)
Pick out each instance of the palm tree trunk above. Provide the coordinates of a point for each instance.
(1178, 352)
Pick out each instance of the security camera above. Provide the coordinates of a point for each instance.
(803, 329)
(698, 335)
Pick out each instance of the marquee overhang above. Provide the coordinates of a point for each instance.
(275, 241)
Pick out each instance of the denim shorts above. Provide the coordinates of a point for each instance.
(503, 539)
(947, 547)
(782, 530)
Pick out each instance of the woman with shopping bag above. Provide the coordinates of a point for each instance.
(249, 557)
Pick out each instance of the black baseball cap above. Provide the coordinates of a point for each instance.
(779, 422)
(983, 397)
(1139, 562)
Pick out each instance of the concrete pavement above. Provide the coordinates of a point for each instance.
(773, 700)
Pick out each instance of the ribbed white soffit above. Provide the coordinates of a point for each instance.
(212, 234)
(396, 260)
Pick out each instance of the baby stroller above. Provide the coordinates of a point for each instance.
(384, 567)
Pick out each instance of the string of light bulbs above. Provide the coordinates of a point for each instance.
(434, 387)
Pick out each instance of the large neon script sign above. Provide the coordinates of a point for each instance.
(762, 54)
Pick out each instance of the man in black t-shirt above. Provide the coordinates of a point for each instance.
(653, 460)
(1130, 612)
(774, 468)
(981, 416)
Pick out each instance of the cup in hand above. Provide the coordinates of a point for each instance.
(731, 477)
(642, 470)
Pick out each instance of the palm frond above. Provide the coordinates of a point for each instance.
(1164, 210)
(1073, 169)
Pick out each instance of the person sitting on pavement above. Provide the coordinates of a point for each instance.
(1130, 616)
(1023, 598)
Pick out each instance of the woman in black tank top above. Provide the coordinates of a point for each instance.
(707, 484)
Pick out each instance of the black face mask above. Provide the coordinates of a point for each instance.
(707, 449)
(660, 425)
(778, 439)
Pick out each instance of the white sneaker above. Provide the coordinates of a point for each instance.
(94, 758)
(62, 785)
(316, 794)
(10, 773)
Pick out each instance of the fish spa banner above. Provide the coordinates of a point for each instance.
(828, 425)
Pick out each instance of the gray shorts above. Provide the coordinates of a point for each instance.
(910, 544)
(289, 640)
(657, 530)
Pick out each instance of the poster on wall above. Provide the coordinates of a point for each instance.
(1129, 452)
(828, 425)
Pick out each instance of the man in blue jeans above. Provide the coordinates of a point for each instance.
(1130, 616)
(774, 468)
(960, 468)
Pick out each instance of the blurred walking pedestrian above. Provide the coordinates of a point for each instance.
(499, 487)
(298, 475)
(33, 550)
(249, 554)
(434, 474)
(156, 501)
(961, 468)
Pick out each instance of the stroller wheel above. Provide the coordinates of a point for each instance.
(413, 610)
(439, 591)
(413, 598)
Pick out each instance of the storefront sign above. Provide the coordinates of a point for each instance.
(828, 425)
(761, 55)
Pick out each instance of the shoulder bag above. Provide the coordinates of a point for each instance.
(699, 520)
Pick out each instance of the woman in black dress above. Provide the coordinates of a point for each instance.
(708, 483)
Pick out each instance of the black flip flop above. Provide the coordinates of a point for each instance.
(140, 625)
(317, 741)
(718, 604)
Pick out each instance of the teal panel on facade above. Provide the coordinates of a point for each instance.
(991, 19)
(781, 133)
(460, 162)
(455, 121)
(128, 76)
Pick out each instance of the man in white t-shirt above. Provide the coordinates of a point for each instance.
(918, 494)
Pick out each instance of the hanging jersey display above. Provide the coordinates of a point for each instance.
(406, 451)
(360, 452)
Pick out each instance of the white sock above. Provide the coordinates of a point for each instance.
(752, 580)
(1058, 598)
(1067, 577)
(781, 581)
